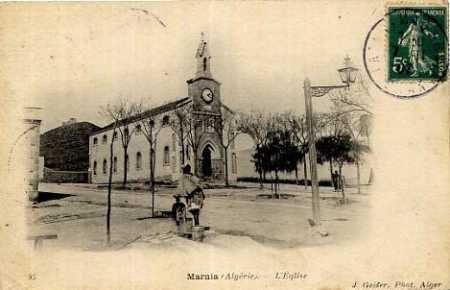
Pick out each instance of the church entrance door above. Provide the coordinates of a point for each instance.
(206, 162)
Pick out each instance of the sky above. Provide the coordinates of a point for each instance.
(72, 59)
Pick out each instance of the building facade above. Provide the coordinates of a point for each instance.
(187, 131)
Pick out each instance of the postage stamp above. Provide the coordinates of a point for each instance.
(417, 43)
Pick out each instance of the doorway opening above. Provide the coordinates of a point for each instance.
(206, 161)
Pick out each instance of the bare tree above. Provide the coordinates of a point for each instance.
(227, 129)
(150, 129)
(257, 125)
(191, 123)
(121, 114)
(298, 127)
(108, 113)
(179, 127)
(352, 109)
(354, 99)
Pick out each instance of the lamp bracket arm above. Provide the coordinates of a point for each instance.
(319, 91)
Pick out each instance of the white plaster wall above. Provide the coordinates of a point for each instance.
(137, 144)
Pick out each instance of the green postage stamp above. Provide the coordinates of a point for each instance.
(417, 43)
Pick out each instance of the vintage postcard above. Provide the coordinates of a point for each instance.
(225, 145)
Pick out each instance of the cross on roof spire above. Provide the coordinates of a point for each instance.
(203, 58)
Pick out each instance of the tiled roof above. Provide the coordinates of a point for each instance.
(152, 112)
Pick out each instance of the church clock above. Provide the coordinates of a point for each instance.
(203, 89)
(207, 95)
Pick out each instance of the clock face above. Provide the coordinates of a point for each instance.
(207, 95)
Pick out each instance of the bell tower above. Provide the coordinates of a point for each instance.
(204, 91)
(203, 59)
(203, 88)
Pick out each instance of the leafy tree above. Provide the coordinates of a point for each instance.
(260, 159)
(340, 149)
(278, 154)
(343, 154)
(326, 152)
(298, 129)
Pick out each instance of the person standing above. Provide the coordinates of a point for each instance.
(189, 186)
(341, 182)
(178, 210)
(335, 177)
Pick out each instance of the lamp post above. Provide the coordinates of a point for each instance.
(347, 75)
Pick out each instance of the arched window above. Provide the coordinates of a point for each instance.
(233, 163)
(204, 63)
(105, 165)
(209, 126)
(166, 155)
(95, 167)
(115, 135)
(115, 164)
(95, 141)
(104, 139)
(138, 160)
(165, 120)
(138, 129)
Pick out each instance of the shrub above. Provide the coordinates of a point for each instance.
(324, 182)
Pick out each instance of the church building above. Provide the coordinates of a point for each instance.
(189, 130)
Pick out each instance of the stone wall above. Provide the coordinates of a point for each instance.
(65, 176)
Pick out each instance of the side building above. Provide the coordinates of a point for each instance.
(66, 152)
(187, 131)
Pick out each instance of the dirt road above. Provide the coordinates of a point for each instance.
(77, 214)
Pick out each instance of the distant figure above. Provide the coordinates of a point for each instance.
(335, 177)
(190, 186)
(341, 182)
(178, 210)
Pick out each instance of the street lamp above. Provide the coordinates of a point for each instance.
(347, 75)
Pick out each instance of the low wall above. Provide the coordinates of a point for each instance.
(55, 176)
